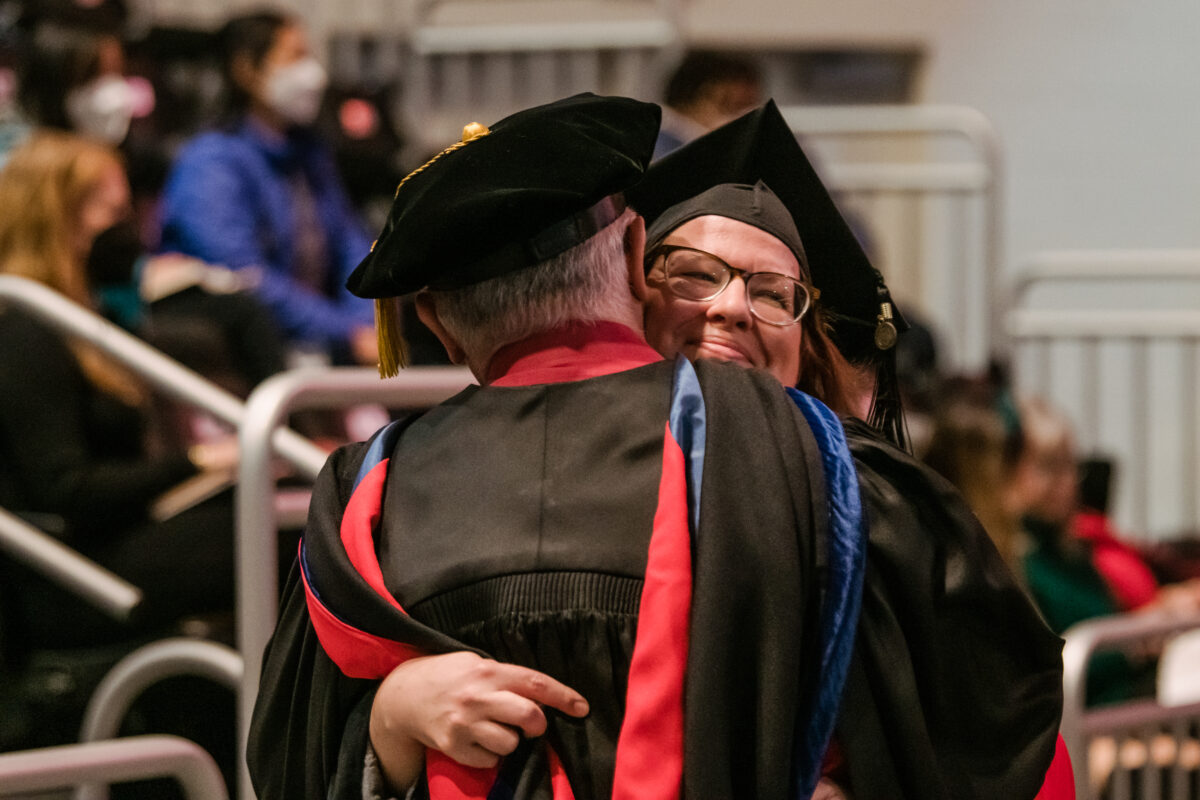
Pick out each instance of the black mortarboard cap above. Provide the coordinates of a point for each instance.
(760, 146)
(504, 199)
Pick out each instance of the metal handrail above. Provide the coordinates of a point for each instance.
(1055, 265)
(1102, 323)
(108, 592)
(163, 373)
(147, 665)
(1084, 640)
(594, 35)
(114, 761)
(257, 529)
(983, 178)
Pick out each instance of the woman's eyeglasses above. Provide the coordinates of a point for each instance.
(691, 274)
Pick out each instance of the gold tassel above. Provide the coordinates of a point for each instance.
(392, 351)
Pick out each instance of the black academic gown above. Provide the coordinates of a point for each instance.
(558, 591)
(956, 686)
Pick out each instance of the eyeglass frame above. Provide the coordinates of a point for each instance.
(811, 292)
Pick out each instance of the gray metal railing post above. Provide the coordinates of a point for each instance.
(108, 592)
(1082, 642)
(134, 673)
(257, 533)
(982, 179)
(114, 761)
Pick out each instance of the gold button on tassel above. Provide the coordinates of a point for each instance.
(473, 130)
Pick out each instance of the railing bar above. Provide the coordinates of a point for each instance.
(1179, 776)
(165, 374)
(1091, 389)
(1140, 426)
(1138, 265)
(133, 674)
(114, 761)
(1120, 782)
(1045, 349)
(1151, 778)
(109, 592)
(1191, 423)
(965, 308)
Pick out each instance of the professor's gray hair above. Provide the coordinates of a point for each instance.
(587, 283)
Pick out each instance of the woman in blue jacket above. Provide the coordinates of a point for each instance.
(262, 193)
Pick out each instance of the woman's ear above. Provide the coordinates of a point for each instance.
(427, 312)
(635, 257)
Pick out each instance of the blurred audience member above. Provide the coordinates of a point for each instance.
(705, 91)
(74, 78)
(74, 74)
(1076, 568)
(262, 195)
(75, 449)
(971, 447)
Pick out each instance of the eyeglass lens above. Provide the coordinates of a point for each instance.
(772, 296)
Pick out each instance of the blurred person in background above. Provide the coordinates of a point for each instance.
(974, 445)
(705, 91)
(88, 456)
(1076, 568)
(74, 77)
(262, 195)
(76, 428)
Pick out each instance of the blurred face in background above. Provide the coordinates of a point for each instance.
(287, 86)
(723, 327)
(1045, 480)
(106, 100)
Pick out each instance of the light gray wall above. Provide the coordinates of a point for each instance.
(1097, 102)
(1097, 105)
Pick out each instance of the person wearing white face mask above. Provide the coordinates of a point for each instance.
(262, 193)
(104, 107)
(76, 80)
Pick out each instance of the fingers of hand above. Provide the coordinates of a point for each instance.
(516, 712)
(541, 688)
(494, 738)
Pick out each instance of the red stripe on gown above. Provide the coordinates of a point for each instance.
(649, 762)
(357, 653)
(1060, 778)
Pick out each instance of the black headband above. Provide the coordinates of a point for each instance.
(754, 205)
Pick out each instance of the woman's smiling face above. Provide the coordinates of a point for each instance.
(723, 328)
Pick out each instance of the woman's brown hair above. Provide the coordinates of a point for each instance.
(43, 188)
(824, 372)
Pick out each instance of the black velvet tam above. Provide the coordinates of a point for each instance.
(538, 183)
(760, 146)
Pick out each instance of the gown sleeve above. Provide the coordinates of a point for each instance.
(308, 734)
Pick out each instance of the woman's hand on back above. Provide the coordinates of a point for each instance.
(472, 709)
